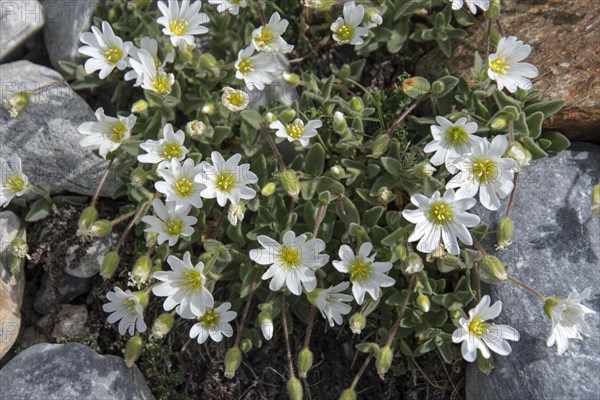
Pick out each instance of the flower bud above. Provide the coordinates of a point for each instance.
(319, 5)
(294, 389)
(292, 79)
(423, 302)
(337, 172)
(358, 321)
(596, 201)
(109, 265)
(416, 87)
(424, 169)
(195, 128)
(265, 320)
(210, 63)
(345, 71)
(88, 217)
(133, 350)
(384, 361)
(493, 11)
(305, 361)
(380, 146)
(504, 233)
(235, 213)
(456, 314)
(268, 189)
(492, 270)
(208, 108)
(162, 325)
(512, 113)
(101, 228)
(340, 125)
(499, 123)
(401, 252)
(16, 103)
(246, 345)
(287, 115)
(290, 183)
(19, 248)
(385, 195)
(348, 394)
(356, 104)
(270, 117)
(437, 88)
(519, 154)
(138, 177)
(233, 359)
(141, 271)
(139, 106)
(414, 264)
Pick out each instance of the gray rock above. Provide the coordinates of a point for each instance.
(556, 248)
(12, 284)
(71, 321)
(68, 287)
(19, 20)
(65, 22)
(70, 372)
(45, 135)
(90, 262)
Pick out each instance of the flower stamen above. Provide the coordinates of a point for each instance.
(441, 213)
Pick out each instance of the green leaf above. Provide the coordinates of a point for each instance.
(367, 347)
(333, 186)
(549, 108)
(534, 123)
(315, 160)
(425, 347)
(503, 100)
(392, 165)
(479, 232)
(40, 209)
(536, 151)
(252, 117)
(446, 352)
(448, 82)
(559, 141)
(371, 216)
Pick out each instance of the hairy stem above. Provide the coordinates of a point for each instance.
(524, 286)
(273, 146)
(286, 337)
(238, 336)
(406, 113)
(134, 221)
(511, 199)
(411, 284)
(102, 182)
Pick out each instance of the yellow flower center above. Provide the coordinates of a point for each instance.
(174, 226)
(210, 319)
(457, 136)
(345, 32)
(484, 170)
(183, 187)
(478, 327)
(295, 130)
(499, 65)
(117, 133)
(171, 150)
(290, 257)
(236, 99)
(15, 184)
(225, 182)
(441, 213)
(162, 84)
(192, 280)
(179, 27)
(245, 66)
(265, 38)
(113, 55)
(360, 270)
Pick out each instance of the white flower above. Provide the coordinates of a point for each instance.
(14, 181)
(128, 308)
(568, 319)
(472, 4)
(151, 77)
(451, 141)
(477, 334)
(347, 30)
(332, 302)
(106, 50)
(226, 180)
(233, 6)
(366, 275)
(181, 183)
(182, 23)
(297, 131)
(255, 69)
(372, 18)
(236, 213)
(485, 170)
(108, 133)
(168, 223)
(195, 128)
(234, 100)
(163, 150)
(266, 325)
(268, 37)
(184, 287)
(292, 263)
(441, 218)
(506, 68)
(151, 47)
(214, 323)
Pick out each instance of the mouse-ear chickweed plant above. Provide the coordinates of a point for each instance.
(269, 186)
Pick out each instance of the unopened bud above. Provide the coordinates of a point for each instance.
(294, 389)
(356, 104)
(345, 71)
(268, 189)
(596, 201)
(305, 362)
(287, 115)
(138, 177)
(16, 103)
(88, 217)
(208, 108)
(416, 87)
(109, 265)
(385, 195)
(195, 128)
(319, 5)
(519, 154)
(504, 233)
(290, 183)
(246, 345)
(348, 394)
(437, 88)
(499, 123)
(384, 361)
(340, 125)
(414, 264)
(209, 62)
(139, 106)
(270, 117)
(162, 325)
(492, 270)
(358, 321)
(265, 320)
(141, 271)
(423, 302)
(401, 252)
(337, 172)
(292, 79)
(380, 146)
(101, 228)
(233, 359)
(133, 350)
(493, 12)
(424, 169)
